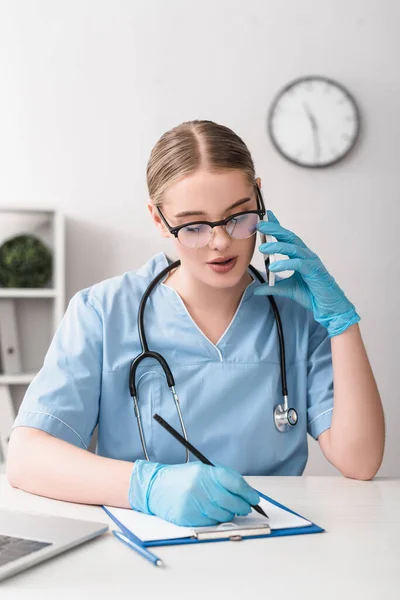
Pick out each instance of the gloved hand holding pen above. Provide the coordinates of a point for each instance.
(311, 285)
(191, 494)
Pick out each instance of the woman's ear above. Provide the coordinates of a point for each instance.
(157, 220)
(258, 182)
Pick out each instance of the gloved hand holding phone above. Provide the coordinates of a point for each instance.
(311, 285)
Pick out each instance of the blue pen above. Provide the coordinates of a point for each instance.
(133, 542)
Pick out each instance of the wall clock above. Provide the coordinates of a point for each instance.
(314, 122)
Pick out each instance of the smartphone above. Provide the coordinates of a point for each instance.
(268, 258)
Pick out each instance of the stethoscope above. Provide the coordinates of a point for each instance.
(284, 417)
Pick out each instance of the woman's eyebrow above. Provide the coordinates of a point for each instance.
(199, 213)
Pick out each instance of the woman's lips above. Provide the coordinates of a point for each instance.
(223, 267)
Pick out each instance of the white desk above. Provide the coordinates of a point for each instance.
(358, 556)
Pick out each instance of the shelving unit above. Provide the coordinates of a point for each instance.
(17, 379)
(38, 311)
(26, 293)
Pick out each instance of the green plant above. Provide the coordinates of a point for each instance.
(25, 261)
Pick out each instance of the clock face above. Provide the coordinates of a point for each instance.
(314, 122)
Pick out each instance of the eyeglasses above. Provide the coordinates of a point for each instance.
(239, 226)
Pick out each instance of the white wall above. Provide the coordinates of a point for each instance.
(88, 86)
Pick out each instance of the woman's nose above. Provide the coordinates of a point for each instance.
(220, 238)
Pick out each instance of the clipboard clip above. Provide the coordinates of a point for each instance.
(233, 531)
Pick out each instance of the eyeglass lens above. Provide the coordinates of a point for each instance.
(198, 234)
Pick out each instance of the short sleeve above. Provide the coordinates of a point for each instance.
(319, 380)
(63, 398)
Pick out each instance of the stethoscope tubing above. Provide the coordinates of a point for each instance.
(147, 353)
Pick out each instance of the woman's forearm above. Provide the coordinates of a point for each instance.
(357, 434)
(47, 466)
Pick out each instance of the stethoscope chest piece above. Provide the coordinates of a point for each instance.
(285, 418)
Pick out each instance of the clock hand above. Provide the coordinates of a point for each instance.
(314, 126)
(317, 146)
(310, 115)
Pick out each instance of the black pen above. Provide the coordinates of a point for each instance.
(196, 452)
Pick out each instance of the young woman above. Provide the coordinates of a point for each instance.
(211, 321)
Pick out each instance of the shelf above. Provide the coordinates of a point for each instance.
(17, 379)
(35, 312)
(27, 210)
(27, 293)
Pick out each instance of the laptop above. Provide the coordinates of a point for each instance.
(27, 539)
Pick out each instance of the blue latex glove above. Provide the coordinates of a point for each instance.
(190, 494)
(311, 285)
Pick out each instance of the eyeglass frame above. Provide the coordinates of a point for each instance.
(260, 212)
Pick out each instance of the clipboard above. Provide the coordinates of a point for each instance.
(224, 533)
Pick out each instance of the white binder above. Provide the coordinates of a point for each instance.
(10, 359)
(7, 417)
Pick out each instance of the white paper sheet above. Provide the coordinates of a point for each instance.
(150, 528)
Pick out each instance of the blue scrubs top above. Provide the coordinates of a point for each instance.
(227, 391)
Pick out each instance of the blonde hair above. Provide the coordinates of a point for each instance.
(185, 149)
